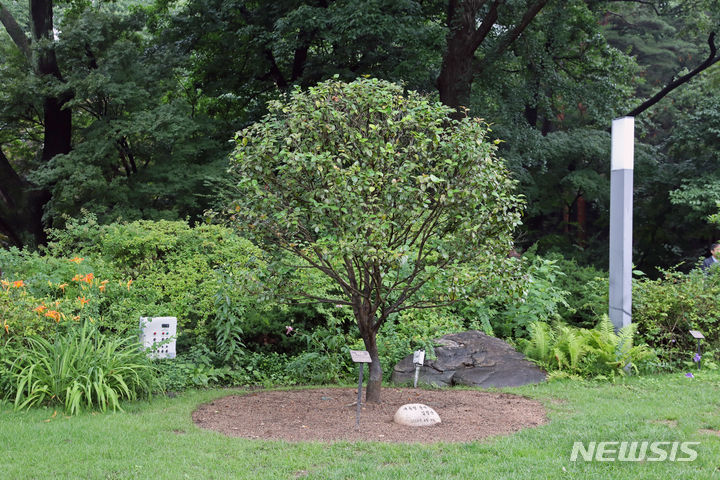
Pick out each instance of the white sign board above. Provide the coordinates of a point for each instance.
(360, 356)
(159, 333)
(419, 357)
(696, 334)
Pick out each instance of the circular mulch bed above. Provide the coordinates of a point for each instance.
(328, 415)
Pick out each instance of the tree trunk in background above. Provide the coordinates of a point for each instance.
(581, 221)
(20, 208)
(21, 203)
(57, 120)
(471, 23)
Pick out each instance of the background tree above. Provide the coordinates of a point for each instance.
(137, 138)
(140, 148)
(379, 191)
(244, 53)
(21, 202)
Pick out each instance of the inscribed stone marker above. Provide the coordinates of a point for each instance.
(416, 415)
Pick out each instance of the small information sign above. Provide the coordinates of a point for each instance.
(696, 334)
(418, 360)
(360, 356)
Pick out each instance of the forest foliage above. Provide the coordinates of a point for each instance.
(120, 152)
(125, 108)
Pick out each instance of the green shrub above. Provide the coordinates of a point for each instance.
(666, 309)
(586, 352)
(150, 269)
(200, 368)
(326, 357)
(534, 296)
(80, 369)
(194, 368)
(50, 294)
(587, 292)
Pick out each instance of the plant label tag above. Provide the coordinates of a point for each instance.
(696, 334)
(360, 356)
(419, 357)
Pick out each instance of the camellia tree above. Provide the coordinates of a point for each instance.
(398, 204)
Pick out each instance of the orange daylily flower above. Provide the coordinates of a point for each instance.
(40, 309)
(77, 259)
(18, 284)
(83, 301)
(129, 282)
(62, 286)
(54, 314)
(77, 278)
(88, 278)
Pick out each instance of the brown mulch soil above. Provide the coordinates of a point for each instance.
(328, 414)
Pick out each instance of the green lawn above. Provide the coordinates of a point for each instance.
(157, 439)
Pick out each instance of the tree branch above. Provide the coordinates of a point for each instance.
(16, 33)
(710, 61)
(479, 35)
(508, 39)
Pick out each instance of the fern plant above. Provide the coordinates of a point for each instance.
(585, 352)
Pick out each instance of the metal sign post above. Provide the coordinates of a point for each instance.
(698, 336)
(361, 357)
(418, 360)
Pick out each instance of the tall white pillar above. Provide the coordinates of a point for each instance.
(621, 209)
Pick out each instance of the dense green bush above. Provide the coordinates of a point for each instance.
(235, 330)
(666, 309)
(586, 289)
(174, 269)
(533, 295)
(41, 294)
(80, 369)
(199, 367)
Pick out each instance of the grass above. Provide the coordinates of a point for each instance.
(157, 440)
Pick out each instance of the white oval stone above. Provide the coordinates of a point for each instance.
(416, 415)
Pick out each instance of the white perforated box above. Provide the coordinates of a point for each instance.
(159, 334)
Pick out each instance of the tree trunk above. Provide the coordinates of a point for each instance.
(456, 75)
(21, 207)
(21, 203)
(56, 119)
(455, 80)
(581, 221)
(459, 66)
(368, 332)
(374, 383)
(58, 128)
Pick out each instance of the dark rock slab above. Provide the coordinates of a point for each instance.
(473, 359)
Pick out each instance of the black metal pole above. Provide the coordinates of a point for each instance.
(359, 398)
